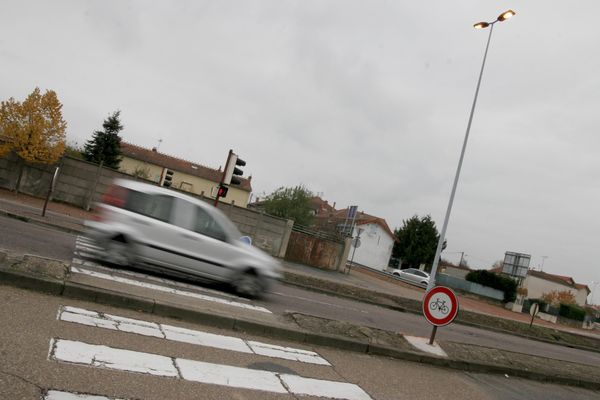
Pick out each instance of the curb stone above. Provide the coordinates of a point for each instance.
(83, 292)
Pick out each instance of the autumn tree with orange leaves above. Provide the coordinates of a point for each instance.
(34, 129)
(556, 297)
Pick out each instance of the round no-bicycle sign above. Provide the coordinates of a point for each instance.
(440, 306)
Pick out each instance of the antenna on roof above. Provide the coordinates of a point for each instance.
(159, 142)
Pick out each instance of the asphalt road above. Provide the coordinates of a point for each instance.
(128, 362)
(26, 237)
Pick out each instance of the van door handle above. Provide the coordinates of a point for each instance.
(188, 236)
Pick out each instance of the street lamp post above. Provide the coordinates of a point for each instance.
(594, 285)
(480, 25)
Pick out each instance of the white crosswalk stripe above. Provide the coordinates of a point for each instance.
(150, 278)
(166, 289)
(60, 395)
(86, 251)
(98, 356)
(173, 333)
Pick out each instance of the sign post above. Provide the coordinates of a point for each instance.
(440, 307)
(535, 308)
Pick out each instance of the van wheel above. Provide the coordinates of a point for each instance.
(118, 252)
(248, 284)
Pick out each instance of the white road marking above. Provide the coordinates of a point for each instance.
(225, 375)
(317, 387)
(168, 332)
(166, 289)
(198, 371)
(111, 271)
(89, 263)
(288, 353)
(423, 345)
(59, 395)
(107, 357)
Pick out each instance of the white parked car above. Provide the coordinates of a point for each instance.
(412, 275)
(157, 227)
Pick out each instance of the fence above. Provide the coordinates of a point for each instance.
(316, 249)
(471, 287)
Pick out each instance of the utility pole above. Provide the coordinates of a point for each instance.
(462, 256)
(542, 266)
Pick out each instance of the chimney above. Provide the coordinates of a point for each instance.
(154, 149)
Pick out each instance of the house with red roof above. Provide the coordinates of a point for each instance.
(539, 283)
(376, 237)
(188, 176)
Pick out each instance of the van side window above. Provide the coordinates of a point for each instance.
(157, 206)
(206, 225)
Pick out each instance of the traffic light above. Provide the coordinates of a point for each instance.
(167, 180)
(232, 171)
(222, 191)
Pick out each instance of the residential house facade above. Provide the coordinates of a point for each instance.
(539, 283)
(376, 237)
(187, 176)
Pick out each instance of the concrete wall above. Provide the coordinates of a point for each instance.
(471, 287)
(455, 272)
(81, 183)
(375, 247)
(78, 183)
(268, 233)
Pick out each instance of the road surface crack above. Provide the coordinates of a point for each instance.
(286, 387)
(179, 375)
(27, 381)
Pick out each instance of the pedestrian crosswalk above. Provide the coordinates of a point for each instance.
(190, 369)
(86, 252)
(183, 335)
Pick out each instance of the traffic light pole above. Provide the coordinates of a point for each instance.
(223, 177)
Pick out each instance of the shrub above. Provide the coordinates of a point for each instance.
(572, 311)
(489, 279)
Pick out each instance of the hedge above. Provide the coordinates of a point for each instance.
(489, 279)
(572, 311)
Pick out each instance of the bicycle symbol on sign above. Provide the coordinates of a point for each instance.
(439, 304)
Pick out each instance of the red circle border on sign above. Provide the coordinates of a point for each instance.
(453, 299)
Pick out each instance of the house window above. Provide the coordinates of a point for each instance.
(186, 186)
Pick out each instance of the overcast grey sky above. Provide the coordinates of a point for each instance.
(364, 102)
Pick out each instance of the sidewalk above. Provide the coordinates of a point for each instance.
(357, 285)
(58, 215)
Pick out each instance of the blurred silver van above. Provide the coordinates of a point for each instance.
(150, 225)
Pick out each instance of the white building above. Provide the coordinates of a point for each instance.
(376, 243)
(539, 283)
